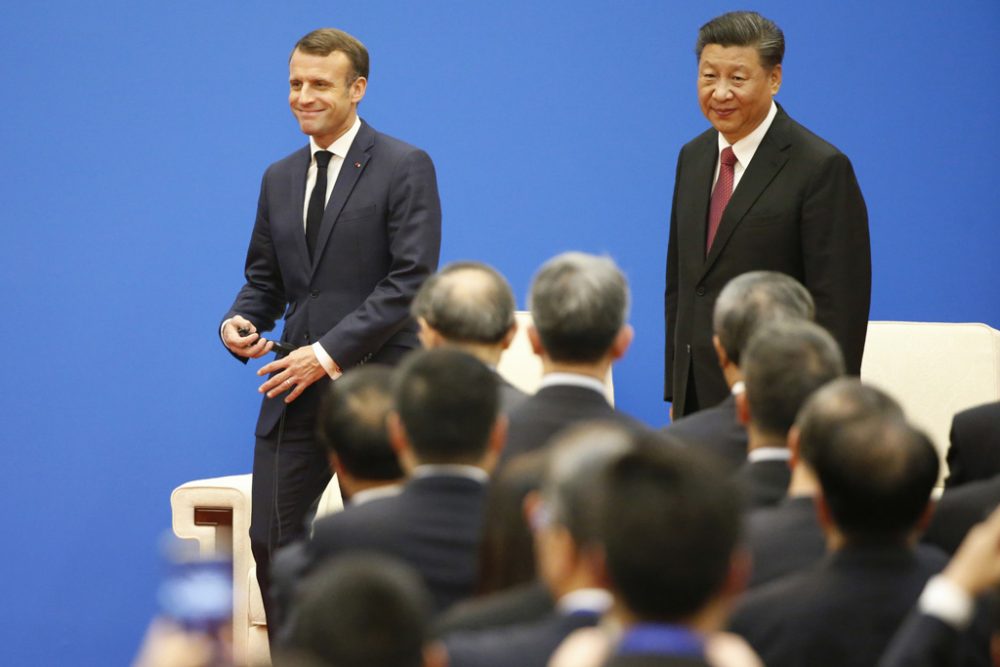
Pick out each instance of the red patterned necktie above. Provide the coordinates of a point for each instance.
(721, 194)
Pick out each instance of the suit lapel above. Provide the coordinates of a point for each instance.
(355, 162)
(699, 179)
(771, 156)
(298, 188)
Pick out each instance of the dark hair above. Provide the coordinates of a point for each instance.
(744, 29)
(352, 422)
(783, 364)
(671, 525)
(753, 298)
(835, 404)
(447, 401)
(466, 302)
(578, 304)
(507, 550)
(877, 476)
(324, 41)
(362, 610)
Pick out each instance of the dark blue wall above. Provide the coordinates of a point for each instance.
(135, 135)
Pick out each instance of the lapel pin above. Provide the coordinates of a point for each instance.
(357, 165)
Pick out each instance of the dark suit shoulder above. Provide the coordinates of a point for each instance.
(959, 509)
(715, 430)
(804, 141)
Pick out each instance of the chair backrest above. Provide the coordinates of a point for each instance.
(933, 369)
(520, 366)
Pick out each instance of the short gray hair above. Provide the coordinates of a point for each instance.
(467, 302)
(744, 29)
(578, 302)
(784, 364)
(749, 300)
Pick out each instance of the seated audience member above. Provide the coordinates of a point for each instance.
(447, 433)
(470, 306)
(746, 302)
(876, 479)
(579, 305)
(784, 363)
(932, 634)
(671, 530)
(974, 454)
(959, 509)
(508, 591)
(565, 515)
(363, 610)
(787, 537)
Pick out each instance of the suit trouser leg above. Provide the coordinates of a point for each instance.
(288, 477)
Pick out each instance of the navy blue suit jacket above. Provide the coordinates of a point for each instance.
(380, 239)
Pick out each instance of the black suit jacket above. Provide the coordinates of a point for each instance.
(783, 539)
(715, 430)
(526, 603)
(764, 483)
(842, 613)
(923, 641)
(552, 409)
(798, 210)
(510, 396)
(434, 524)
(959, 509)
(974, 453)
(651, 660)
(379, 241)
(526, 645)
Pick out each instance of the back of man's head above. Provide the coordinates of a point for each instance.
(755, 298)
(466, 302)
(579, 303)
(877, 475)
(447, 402)
(834, 405)
(352, 423)
(361, 610)
(784, 363)
(671, 527)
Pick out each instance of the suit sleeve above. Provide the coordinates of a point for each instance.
(836, 255)
(262, 297)
(413, 224)
(670, 295)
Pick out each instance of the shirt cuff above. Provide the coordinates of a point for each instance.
(327, 362)
(946, 601)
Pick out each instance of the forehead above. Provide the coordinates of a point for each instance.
(334, 66)
(716, 55)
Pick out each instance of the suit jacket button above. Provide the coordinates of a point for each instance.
(700, 291)
(314, 294)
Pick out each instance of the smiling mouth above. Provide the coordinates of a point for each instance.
(723, 112)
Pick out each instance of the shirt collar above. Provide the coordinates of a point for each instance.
(769, 454)
(374, 493)
(745, 148)
(594, 600)
(450, 470)
(341, 145)
(573, 380)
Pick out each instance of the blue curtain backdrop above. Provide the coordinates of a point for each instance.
(135, 135)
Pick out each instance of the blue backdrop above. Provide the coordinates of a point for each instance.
(135, 135)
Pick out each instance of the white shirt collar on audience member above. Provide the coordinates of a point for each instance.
(595, 600)
(769, 454)
(368, 495)
(573, 380)
(450, 470)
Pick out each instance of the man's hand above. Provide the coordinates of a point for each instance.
(975, 567)
(297, 371)
(251, 346)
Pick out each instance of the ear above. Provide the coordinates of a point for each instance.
(495, 444)
(742, 408)
(435, 655)
(509, 336)
(774, 79)
(720, 352)
(336, 467)
(358, 88)
(535, 340)
(823, 512)
(925, 516)
(622, 341)
(793, 439)
(738, 576)
(428, 336)
(400, 442)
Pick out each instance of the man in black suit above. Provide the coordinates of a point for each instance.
(876, 480)
(470, 306)
(787, 537)
(959, 509)
(579, 308)
(757, 192)
(565, 516)
(784, 363)
(974, 453)
(671, 531)
(347, 229)
(746, 302)
(447, 433)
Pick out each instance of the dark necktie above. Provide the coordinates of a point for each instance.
(721, 194)
(317, 201)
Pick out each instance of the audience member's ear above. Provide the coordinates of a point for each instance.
(429, 337)
(738, 577)
(925, 517)
(793, 441)
(742, 408)
(508, 337)
(622, 341)
(823, 513)
(536, 340)
(435, 655)
(336, 467)
(495, 444)
(400, 442)
(720, 352)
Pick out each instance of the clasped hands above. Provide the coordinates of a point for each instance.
(293, 373)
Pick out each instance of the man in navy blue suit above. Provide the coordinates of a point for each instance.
(347, 229)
